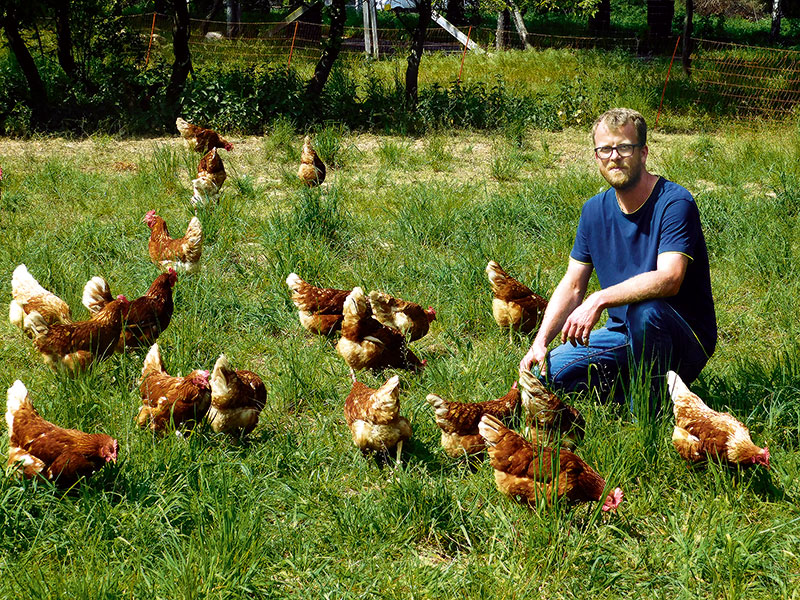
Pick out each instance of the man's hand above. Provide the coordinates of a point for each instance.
(581, 321)
(536, 354)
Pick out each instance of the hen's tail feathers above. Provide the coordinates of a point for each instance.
(219, 380)
(194, 237)
(34, 325)
(495, 273)
(17, 398)
(152, 362)
(16, 314)
(676, 385)
(355, 305)
(441, 410)
(24, 285)
(536, 399)
(386, 399)
(182, 126)
(294, 282)
(491, 429)
(96, 294)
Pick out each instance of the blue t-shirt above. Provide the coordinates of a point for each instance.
(620, 245)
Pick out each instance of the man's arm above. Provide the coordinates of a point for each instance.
(566, 297)
(665, 281)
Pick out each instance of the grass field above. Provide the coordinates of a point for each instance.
(297, 511)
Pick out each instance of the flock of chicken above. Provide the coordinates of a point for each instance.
(375, 332)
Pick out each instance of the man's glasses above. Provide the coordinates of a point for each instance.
(624, 150)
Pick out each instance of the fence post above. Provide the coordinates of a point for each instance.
(150, 43)
(291, 50)
(658, 114)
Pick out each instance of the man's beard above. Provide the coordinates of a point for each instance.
(624, 180)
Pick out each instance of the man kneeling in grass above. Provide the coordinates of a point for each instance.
(643, 237)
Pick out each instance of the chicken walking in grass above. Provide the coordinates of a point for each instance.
(548, 419)
(201, 139)
(459, 420)
(312, 169)
(37, 447)
(321, 310)
(514, 305)
(237, 399)
(373, 416)
(181, 254)
(409, 318)
(167, 401)
(366, 344)
(701, 433)
(210, 177)
(527, 472)
(74, 346)
(148, 315)
(28, 296)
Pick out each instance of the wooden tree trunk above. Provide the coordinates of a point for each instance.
(38, 95)
(601, 20)
(233, 17)
(415, 57)
(64, 38)
(519, 23)
(330, 52)
(183, 58)
(688, 30)
(502, 36)
(455, 12)
(777, 15)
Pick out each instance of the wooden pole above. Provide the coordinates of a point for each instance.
(152, 30)
(296, 23)
(666, 80)
(464, 53)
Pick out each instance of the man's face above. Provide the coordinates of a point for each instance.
(621, 173)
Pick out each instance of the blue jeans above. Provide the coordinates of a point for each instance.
(654, 339)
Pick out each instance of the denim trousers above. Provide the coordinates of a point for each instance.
(654, 339)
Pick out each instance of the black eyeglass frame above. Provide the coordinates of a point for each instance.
(617, 148)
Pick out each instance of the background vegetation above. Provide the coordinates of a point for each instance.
(297, 511)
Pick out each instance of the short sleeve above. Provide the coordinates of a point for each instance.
(680, 228)
(580, 249)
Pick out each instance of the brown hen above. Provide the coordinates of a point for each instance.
(237, 399)
(366, 344)
(701, 433)
(179, 402)
(200, 139)
(528, 473)
(514, 305)
(28, 296)
(210, 177)
(320, 309)
(459, 420)
(38, 447)
(548, 419)
(373, 417)
(408, 318)
(74, 346)
(312, 169)
(179, 253)
(148, 315)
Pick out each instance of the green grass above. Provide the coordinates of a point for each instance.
(296, 511)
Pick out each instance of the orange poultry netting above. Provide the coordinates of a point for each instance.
(751, 79)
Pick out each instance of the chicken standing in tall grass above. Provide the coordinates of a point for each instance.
(312, 169)
(210, 177)
(72, 347)
(459, 420)
(201, 139)
(237, 399)
(528, 473)
(409, 318)
(37, 447)
(148, 315)
(321, 310)
(548, 419)
(167, 401)
(514, 306)
(701, 433)
(373, 416)
(181, 254)
(27, 295)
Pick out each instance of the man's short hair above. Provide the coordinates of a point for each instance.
(616, 118)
